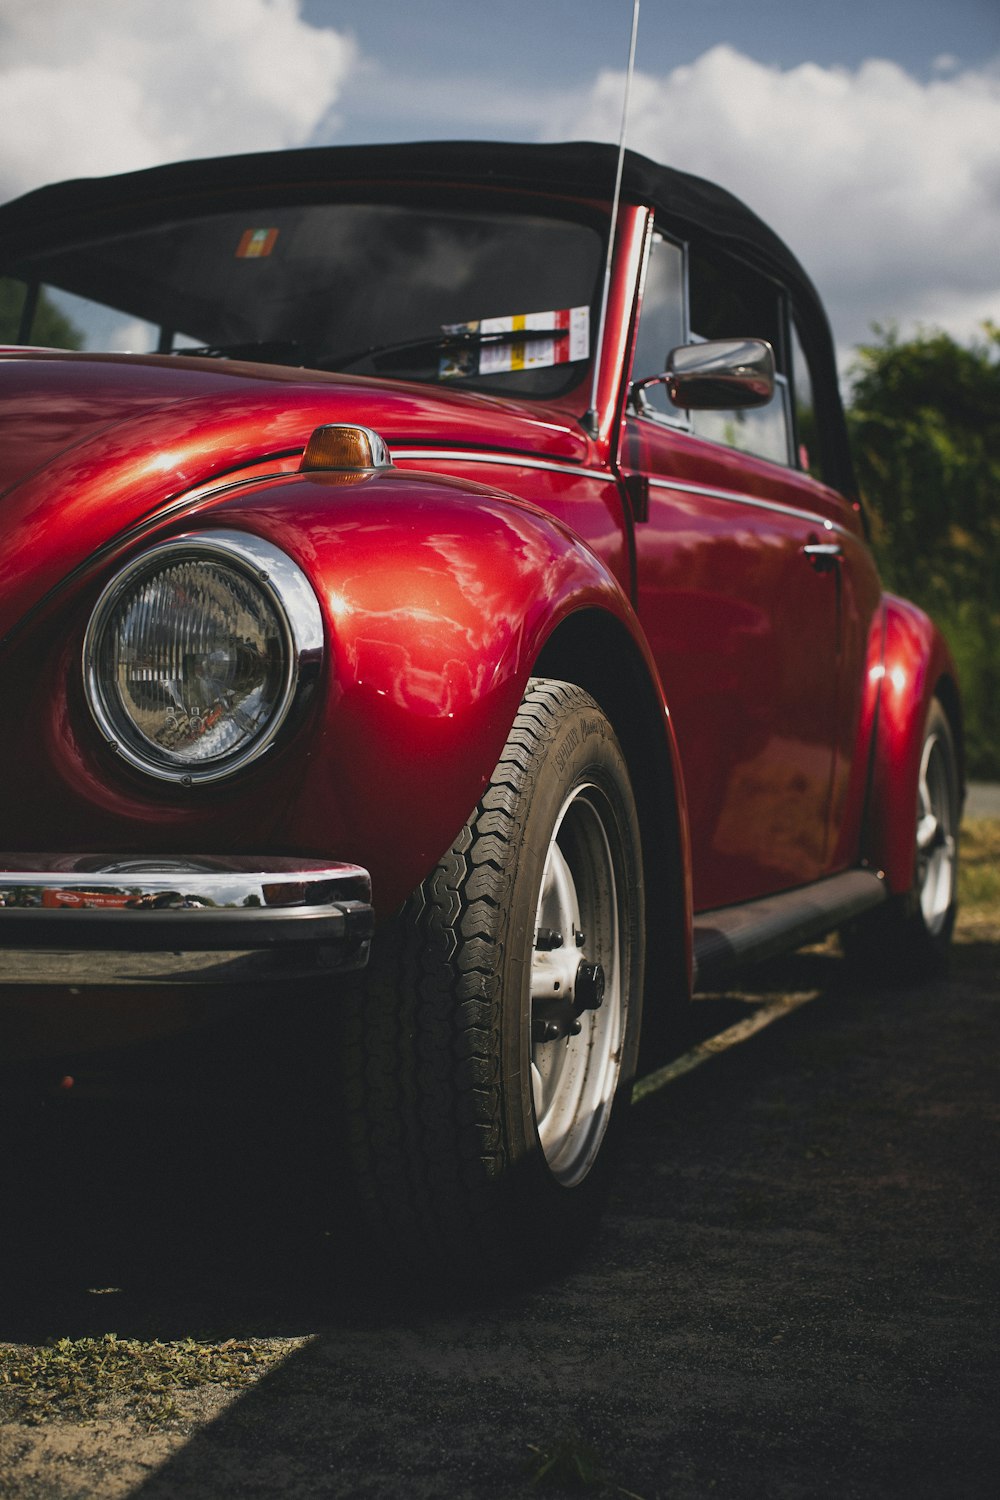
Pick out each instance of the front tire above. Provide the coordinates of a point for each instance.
(492, 1043)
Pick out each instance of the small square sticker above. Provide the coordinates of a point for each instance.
(256, 243)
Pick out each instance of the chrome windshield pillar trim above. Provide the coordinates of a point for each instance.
(179, 920)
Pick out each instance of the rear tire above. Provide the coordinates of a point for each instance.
(490, 1047)
(910, 935)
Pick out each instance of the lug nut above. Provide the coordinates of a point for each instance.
(589, 988)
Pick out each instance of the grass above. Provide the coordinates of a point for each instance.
(979, 874)
(78, 1379)
(571, 1465)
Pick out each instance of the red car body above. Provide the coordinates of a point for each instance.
(770, 700)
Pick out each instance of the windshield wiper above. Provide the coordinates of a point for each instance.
(439, 343)
(290, 352)
(264, 351)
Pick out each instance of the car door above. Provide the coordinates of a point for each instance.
(741, 609)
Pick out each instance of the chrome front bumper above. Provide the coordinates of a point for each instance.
(96, 920)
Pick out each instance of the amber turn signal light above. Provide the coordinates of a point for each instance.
(344, 447)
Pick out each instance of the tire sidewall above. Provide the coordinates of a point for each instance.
(939, 939)
(581, 750)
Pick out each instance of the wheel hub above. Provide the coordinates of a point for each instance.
(551, 1020)
(578, 998)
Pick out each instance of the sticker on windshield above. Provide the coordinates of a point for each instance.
(256, 243)
(550, 338)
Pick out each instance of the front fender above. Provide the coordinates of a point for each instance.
(438, 596)
(915, 666)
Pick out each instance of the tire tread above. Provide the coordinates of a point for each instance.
(431, 1003)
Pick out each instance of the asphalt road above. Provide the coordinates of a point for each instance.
(794, 1294)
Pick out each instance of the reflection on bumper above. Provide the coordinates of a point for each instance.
(87, 920)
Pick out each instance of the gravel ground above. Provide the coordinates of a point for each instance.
(794, 1294)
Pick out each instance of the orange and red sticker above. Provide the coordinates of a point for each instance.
(256, 243)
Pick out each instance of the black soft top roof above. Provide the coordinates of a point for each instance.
(695, 208)
(580, 168)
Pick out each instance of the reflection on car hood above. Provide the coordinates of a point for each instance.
(93, 444)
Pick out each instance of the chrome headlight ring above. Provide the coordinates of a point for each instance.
(198, 651)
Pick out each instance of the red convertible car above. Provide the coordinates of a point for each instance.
(434, 590)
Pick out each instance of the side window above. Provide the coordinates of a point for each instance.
(690, 296)
(662, 323)
(807, 432)
(728, 300)
(47, 317)
(31, 314)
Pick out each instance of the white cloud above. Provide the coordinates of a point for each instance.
(888, 189)
(401, 104)
(110, 85)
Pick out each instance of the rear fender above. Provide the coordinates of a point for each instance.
(916, 666)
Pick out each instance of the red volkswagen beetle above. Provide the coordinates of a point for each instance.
(412, 601)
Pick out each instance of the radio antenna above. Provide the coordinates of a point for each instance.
(591, 419)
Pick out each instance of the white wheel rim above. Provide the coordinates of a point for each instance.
(573, 1079)
(936, 850)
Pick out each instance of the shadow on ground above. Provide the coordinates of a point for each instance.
(791, 1296)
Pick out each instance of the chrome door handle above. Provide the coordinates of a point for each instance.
(823, 555)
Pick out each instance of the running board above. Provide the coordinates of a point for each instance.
(734, 936)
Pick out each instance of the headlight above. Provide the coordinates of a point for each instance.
(196, 652)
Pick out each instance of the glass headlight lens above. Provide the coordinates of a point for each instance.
(194, 654)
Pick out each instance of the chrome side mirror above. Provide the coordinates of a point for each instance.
(718, 376)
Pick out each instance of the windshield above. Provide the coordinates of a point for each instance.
(400, 289)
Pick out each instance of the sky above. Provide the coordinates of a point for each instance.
(866, 132)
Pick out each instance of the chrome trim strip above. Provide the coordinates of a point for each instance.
(463, 455)
(178, 920)
(297, 608)
(753, 501)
